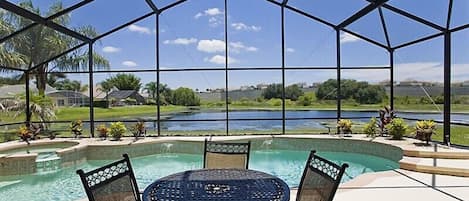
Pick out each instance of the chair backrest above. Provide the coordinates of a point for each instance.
(320, 179)
(112, 182)
(226, 155)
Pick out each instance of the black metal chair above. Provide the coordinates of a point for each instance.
(226, 155)
(320, 179)
(112, 182)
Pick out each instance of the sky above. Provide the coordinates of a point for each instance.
(192, 36)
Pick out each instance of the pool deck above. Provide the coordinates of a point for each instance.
(398, 184)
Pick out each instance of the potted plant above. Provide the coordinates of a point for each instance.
(138, 129)
(424, 130)
(102, 131)
(24, 133)
(370, 128)
(397, 128)
(345, 126)
(117, 129)
(76, 127)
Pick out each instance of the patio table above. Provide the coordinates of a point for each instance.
(218, 184)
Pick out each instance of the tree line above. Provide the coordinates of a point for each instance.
(360, 92)
(180, 96)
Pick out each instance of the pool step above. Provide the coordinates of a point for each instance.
(438, 155)
(460, 172)
(420, 161)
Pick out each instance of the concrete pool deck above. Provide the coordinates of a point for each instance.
(398, 184)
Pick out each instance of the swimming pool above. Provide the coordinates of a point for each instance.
(64, 184)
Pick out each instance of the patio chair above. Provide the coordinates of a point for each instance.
(112, 182)
(320, 179)
(226, 155)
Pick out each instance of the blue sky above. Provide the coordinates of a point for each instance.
(192, 35)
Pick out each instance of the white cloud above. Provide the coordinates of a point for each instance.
(243, 27)
(290, 50)
(198, 15)
(219, 59)
(348, 38)
(211, 46)
(214, 14)
(129, 63)
(139, 29)
(181, 41)
(237, 47)
(209, 12)
(111, 49)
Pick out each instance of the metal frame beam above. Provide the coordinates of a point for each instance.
(385, 29)
(38, 19)
(413, 17)
(56, 57)
(447, 89)
(282, 21)
(58, 14)
(158, 96)
(91, 83)
(227, 109)
(172, 5)
(364, 11)
(123, 26)
(418, 40)
(152, 6)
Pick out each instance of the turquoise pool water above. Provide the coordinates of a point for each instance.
(64, 184)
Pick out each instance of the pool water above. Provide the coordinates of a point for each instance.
(64, 184)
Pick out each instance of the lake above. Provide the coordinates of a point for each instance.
(183, 120)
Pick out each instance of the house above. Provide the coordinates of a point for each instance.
(125, 97)
(62, 98)
(10, 91)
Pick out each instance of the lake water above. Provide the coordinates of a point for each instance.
(183, 121)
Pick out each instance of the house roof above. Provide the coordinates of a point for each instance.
(121, 94)
(67, 94)
(10, 91)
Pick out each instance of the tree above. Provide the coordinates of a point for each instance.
(70, 85)
(361, 92)
(125, 82)
(327, 90)
(165, 93)
(275, 91)
(9, 81)
(272, 91)
(292, 92)
(41, 43)
(106, 87)
(151, 89)
(40, 106)
(185, 96)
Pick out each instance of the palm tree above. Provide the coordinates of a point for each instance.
(41, 107)
(125, 82)
(106, 87)
(40, 43)
(151, 89)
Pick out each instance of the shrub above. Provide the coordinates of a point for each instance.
(371, 128)
(76, 127)
(102, 130)
(424, 130)
(117, 129)
(345, 126)
(397, 128)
